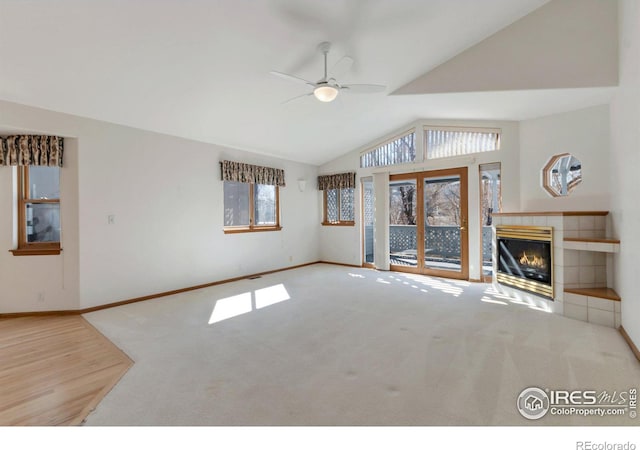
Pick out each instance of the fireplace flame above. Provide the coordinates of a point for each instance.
(535, 261)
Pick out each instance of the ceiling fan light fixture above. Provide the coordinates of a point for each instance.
(325, 93)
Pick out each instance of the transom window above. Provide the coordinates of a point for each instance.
(447, 142)
(398, 150)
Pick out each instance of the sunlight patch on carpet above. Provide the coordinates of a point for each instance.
(271, 295)
(236, 305)
(231, 307)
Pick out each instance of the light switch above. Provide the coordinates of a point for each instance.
(111, 219)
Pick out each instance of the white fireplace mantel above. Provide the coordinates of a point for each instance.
(582, 261)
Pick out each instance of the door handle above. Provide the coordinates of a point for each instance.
(463, 227)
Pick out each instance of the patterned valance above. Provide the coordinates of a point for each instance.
(27, 150)
(337, 181)
(248, 173)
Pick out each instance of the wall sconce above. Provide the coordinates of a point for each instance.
(302, 183)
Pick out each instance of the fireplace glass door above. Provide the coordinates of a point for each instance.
(525, 259)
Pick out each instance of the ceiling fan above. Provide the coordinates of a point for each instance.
(327, 88)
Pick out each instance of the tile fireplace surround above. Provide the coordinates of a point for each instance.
(582, 264)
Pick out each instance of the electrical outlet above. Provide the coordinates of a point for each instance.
(40, 297)
(111, 219)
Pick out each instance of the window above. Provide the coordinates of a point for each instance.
(447, 142)
(38, 210)
(399, 150)
(250, 207)
(338, 207)
(561, 174)
(368, 221)
(490, 202)
(338, 192)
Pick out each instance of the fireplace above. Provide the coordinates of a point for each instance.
(525, 258)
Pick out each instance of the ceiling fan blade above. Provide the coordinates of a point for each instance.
(303, 63)
(302, 17)
(286, 76)
(341, 67)
(297, 97)
(363, 88)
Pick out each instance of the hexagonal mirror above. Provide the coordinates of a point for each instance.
(561, 174)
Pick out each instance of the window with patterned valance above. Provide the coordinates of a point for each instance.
(338, 194)
(38, 160)
(31, 150)
(249, 173)
(251, 197)
(338, 181)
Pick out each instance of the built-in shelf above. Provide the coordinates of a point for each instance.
(605, 293)
(551, 213)
(607, 245)
(605, 240)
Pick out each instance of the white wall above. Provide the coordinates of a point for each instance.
(166, 196)
(343, 244)
(584, 134)
(625, 168)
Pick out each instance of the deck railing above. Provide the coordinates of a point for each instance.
(441, 241)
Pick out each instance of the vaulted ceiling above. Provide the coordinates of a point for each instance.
(199, 69)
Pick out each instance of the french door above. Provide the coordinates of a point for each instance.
(428, 231)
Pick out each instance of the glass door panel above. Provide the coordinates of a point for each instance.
(403, 227)
(368, 210)
(442, 223)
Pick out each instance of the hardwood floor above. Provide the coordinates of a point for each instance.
(54, 369)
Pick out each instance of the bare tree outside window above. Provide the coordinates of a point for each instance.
(265, 204)
(397, 151)
(442, 203)
(402, 210)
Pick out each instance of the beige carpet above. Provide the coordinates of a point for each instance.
(332, 345)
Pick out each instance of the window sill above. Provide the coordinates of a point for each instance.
(250, 230)
(338, 224)
(35, 251)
